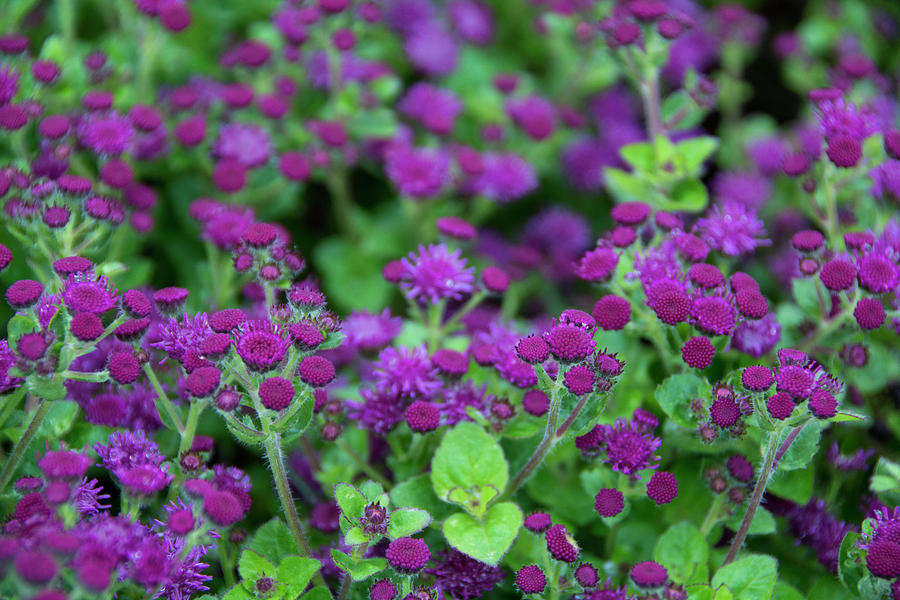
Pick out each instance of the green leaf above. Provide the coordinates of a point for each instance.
(48, 389)
(750, 578)
(407, 521)
(639, 156)
(372, 490)
(273, 540)
(487, 540)
(59, 420)
(355, 536)
(850, 570)
(317, 593)
(683, 551)
(245, 436)
(675, 394)
(361, 569)
(252, 566)
(350, 500)
(688, 195)
(417, 492)
(625, 186)
(785, 591)
(804, 447)
(18, 326)
(295, 572)
(237, 593)
(806, 296)
(469, 459)
(695, 151)
(796, 486)
(886, 477)
(763, 522)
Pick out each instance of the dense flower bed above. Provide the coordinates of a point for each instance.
(409, 300)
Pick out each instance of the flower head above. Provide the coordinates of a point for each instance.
(436, 274)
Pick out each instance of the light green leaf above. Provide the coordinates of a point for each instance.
(237, 593)
(59, 419)
(804, 447)
(675, 394)
(359, 570)
(806, 296)
(417, 492)
(407, 521)
(639, 156)
(695, 151)
(48, 389)
(850, 570)
(688, 195)
(750, 578)
(625, 186)
(683, 551)
(469, 459)
(763, 522)
(487, 540)
(317, 593)
(372, 490)
(355, 536)
(273, 540)
(295, 572)
(350, 500)
(785, 591)
(252, 566)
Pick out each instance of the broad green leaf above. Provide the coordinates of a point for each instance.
(886, 477)
(675, 394)
(763, 522)
(750, 578)
(417, 492)
(806, 296)
(317, 593)
(237, 593)
(850, 570)
(372, 490)
(407, 521)
(18, 326)
(683, 551)
(695, 151)
(59, 419)
(273, 540)
(487, 540)
(350, 500)
(252, 566)
(688, 195)
(355, 536)
(295, 572)
(469, 459)
(803, 448)
(625, 186)
(48, 389)
(361, 569)
(785, 591)
(639, 156)
(796, 486)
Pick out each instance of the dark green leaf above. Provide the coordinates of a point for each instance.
(273, 541)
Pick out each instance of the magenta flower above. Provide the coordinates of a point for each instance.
(436, 274)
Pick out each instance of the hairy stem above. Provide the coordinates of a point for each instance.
(774, 453)
(547, 443)
(712, 515)
(276, 465)
(18, 451)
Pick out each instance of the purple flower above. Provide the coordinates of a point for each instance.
(245, 143)
(368, 331)
(768, 154)
(886, 179)
(435, 108)
(9, 84)
(732, 229)
(87, 497)
(858, 461)
(472, 20)
(136, 462)
(379, 411)
(534, 115)
(406, 373)
(628, 448)
(756, 337)
(432, 50)
(839, 117)
(747, 189)
(406, 16)
(460, 576)
(458, 398)
(262, 345)
(179, 339)
(813, 526)
(83, 292)
(506, 177)
(106, 133)
(418, 172)
(584, 161)
(436, 274)
(7, 362)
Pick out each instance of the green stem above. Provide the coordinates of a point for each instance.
(163, 399)
(190, 428)
(363, 465)
(66, 13)
(276, 465)
(18, 451)
(435, 331)
(712, 515)
(774, 453)
(474, 301)
(342, 202)
(226, 563)
(546, 444)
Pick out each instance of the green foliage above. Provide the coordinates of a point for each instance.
(683, 551)
(487, 539)
(273, 541)
(469, 468)
(360, 569)
(752, 577)
(674, 396)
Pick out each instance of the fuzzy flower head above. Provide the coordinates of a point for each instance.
(435, 108)
(837, 117)
(628, 448)
(245, 143)
(460, 576)
(262, 345)
(181, 338)
(369, 331)
(418, 172)
(732, 229)
(506, 177)
(106, 134)
(406, 372)
(436, 274)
